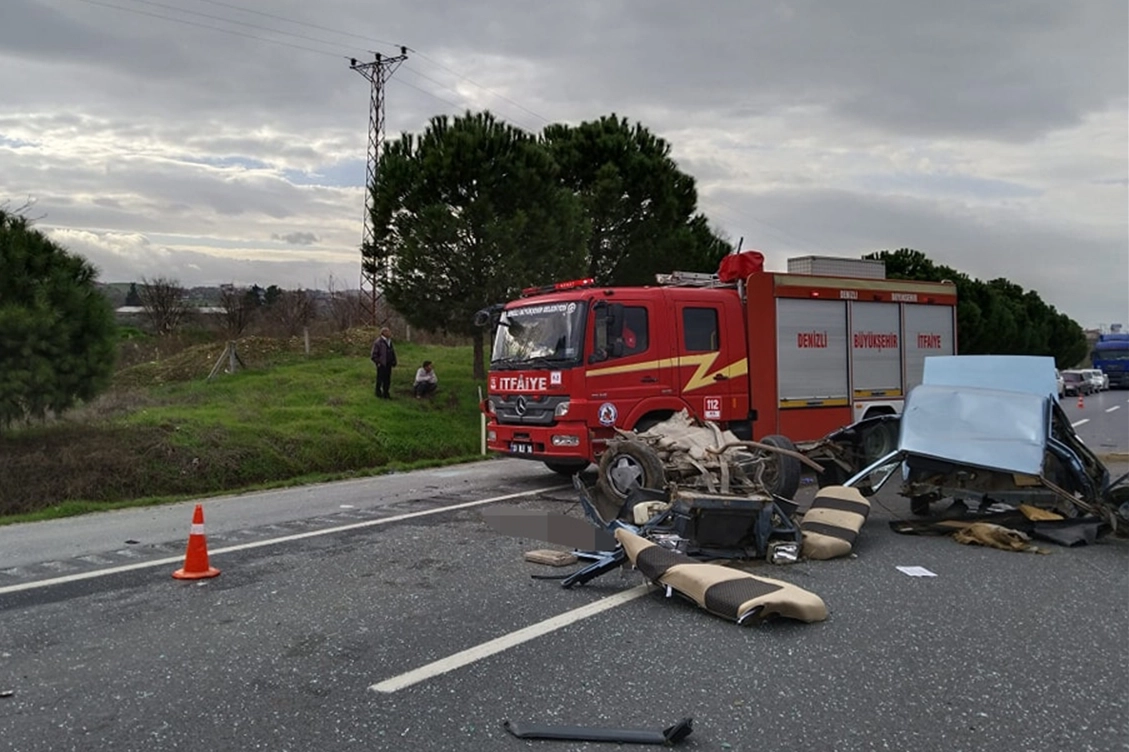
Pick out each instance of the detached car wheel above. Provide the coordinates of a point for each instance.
(782, 476)
(628, 464)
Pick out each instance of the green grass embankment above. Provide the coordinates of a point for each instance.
(165, 432)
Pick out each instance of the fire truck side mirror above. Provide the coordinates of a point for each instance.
(488, 316)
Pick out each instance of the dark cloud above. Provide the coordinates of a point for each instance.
(992, 70)
(1081, 273)
(965, 67)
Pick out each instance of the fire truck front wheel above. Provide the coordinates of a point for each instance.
(628, 464)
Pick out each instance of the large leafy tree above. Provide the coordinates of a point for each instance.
(641, 208)
(996, 317)
(464, 216)
(57, 331)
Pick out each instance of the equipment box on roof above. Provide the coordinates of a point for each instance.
(835, 266)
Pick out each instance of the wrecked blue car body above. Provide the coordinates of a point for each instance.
(985, 430)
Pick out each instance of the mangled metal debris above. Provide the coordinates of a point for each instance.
(668, 737)
(700, 456)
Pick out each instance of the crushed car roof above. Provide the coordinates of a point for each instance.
(989, 411)
(1032, 374)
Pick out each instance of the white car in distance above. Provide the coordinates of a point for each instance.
(1098, 380)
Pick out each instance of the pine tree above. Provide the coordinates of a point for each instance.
(57, 332)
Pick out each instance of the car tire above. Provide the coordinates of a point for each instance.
(627, 464)
(782, 477)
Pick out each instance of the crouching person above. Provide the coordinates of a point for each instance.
(426, 380)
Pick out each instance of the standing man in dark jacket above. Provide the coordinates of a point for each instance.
(384, 356)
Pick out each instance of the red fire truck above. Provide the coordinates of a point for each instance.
(797, 353)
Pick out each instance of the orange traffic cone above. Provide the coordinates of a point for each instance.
(1081, 402)
(196, 558)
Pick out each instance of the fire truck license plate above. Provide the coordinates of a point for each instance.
(518, 447)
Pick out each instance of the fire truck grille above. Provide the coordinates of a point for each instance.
(522, 409)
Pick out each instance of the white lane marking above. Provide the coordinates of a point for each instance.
(1077, 423)
(1111, 409)
(269, 542)
(505, 642)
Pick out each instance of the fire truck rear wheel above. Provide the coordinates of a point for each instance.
(567, 467)
(782, 476)
(878, 441)
(627, 464)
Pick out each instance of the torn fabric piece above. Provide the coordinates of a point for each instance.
(1036, 514)
(995, 536)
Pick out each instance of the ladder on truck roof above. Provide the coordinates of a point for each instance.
(691, 279)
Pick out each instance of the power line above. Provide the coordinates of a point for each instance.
(302, 23)
(213, 28)
(433, 61)
(353, 35)
(245, 35)
(442, 85)
(433, 95)
(224, 19)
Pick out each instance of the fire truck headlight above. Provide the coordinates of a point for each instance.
(561, 411)
(491, 435)
(565, 440)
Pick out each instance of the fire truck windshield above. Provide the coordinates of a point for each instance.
(540, 335)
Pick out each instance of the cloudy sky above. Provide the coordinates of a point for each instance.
(222, 142)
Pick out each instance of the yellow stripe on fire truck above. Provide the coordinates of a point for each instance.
(702, 377)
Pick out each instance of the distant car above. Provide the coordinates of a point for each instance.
(1097, 378)
(1061, 383)
(1075, 383)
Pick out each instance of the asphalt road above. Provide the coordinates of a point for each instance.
(346, 589)
(1102, 421)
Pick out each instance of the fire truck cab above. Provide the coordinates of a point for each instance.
(759, 353)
